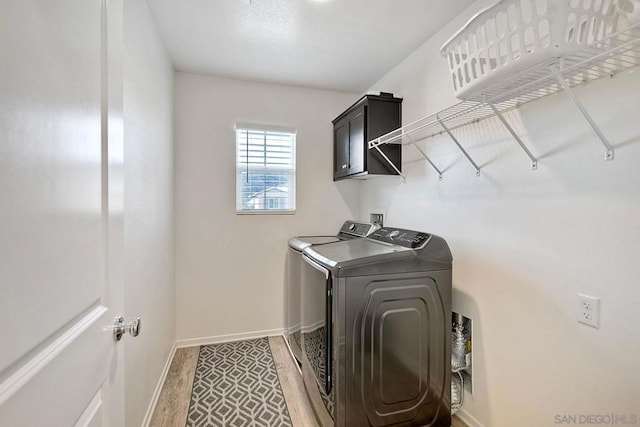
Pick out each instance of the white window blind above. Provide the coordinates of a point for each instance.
(265, 169)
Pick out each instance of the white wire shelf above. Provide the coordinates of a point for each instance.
(604, 58)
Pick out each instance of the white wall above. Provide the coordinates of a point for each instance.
(230, 268)
(148, 207)
(526, 242)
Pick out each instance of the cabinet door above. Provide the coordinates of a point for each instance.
(357, 141)
(341, 148)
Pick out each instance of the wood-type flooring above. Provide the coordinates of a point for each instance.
(173, 403)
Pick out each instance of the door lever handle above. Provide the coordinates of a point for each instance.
(120, 327)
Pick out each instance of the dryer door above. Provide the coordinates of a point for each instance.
(316, 321)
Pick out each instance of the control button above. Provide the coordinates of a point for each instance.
(419, 240)
(352, 227)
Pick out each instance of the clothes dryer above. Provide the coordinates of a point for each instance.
(376, 327)
(349, 230)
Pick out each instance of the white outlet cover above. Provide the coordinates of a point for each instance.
(588, 310)
(382, 211)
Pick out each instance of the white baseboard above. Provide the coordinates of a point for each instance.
(192, 342)
(312, 327)
(158, 390)
(468, 418)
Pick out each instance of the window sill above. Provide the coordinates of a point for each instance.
(266, 212)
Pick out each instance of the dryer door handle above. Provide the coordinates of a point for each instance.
(317, 266)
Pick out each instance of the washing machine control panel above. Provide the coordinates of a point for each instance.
(398, 236)
(357, 229)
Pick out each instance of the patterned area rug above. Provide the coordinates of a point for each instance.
(236, 384)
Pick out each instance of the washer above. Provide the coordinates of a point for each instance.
(349, 230)
(376, 325)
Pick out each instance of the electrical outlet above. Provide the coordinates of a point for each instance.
(377, 218)
(588, 310)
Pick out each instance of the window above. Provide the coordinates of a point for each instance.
(265, 169)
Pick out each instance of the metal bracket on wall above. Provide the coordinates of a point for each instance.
(446, 129)
(560, 78)
(534, 161)
(412, 142)
(404, 178)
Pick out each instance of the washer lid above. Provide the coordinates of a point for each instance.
(386, 251)
(300, 242)
(356, 251)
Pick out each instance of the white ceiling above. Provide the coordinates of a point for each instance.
(342, 45)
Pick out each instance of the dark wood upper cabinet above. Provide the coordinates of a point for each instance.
(370, 117)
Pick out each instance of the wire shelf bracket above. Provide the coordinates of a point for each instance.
(607, 145)
(534, 161)
(388, 160)
(425, 157)
(455, 140)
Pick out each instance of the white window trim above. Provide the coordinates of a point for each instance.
(269, 128)
(262, 127)
(265, 212)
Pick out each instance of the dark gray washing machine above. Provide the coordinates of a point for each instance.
(349, 230)
(376, 325)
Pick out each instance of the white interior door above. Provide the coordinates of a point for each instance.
(60, 212)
